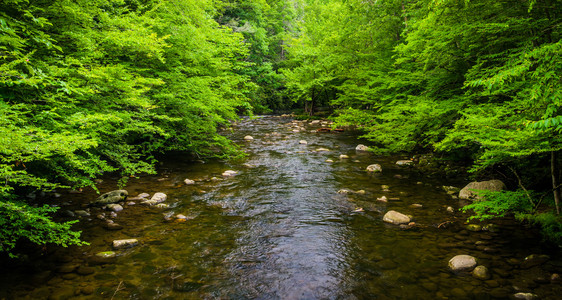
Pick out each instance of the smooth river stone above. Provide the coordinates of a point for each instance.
(120, 244)
(396, 218)
(462, 263)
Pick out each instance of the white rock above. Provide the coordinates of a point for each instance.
(149, 202)
(375, 168)
(114, 207)
(404, 162)
(329, 160)
(396, 218)
(525, 296)
(462, 263)
(361, 147)
(382, 199)
(303, 142)
(322, 150)
(189, 181)
(229, 173)
(248, 138)
(180, 216)
(343, 156)
(120, 244)
(159, 197)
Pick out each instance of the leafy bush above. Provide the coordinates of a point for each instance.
(550, 223)
(20, 221)
(499, 204)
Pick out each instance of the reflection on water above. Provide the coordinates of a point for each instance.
(279, 229)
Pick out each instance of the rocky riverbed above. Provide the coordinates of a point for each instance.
(310, 214)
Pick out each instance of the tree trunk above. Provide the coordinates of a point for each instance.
(554, 173)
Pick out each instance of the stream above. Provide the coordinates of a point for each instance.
(279, 229)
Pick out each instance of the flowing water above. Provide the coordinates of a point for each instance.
(279, 229)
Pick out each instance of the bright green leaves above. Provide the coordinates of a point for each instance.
(20, 221)
(88, 87)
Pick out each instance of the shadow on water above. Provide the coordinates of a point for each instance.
(279, 229)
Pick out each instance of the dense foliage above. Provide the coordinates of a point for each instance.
(89, 87)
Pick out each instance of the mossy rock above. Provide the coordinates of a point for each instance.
(111, 197)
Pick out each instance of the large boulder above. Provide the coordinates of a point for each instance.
(468, 192)
(396, 218)
(462, 263)
(111, 197)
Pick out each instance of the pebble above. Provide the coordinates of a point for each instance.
(82, 213)
(249, 138)
(189, 181)
(229, 173)
(126, 243)
(83, 270)
(106, 254)
(87, 290)
(343, 156)
(114, 207)
(382, 199)
(303, 142)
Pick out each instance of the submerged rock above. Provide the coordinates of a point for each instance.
(343, 156)
(127, 243)
(111, 197)
(474, 227)
(249, 138)
(481, 272)
(303, 142)
(396, 218)
(83, 270)
(189, 181)
(462, 263)
(471, 190)
(534, 260)
(106, 254)
(82, 213)
(375, 168)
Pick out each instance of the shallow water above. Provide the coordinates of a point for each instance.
(279, 229)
